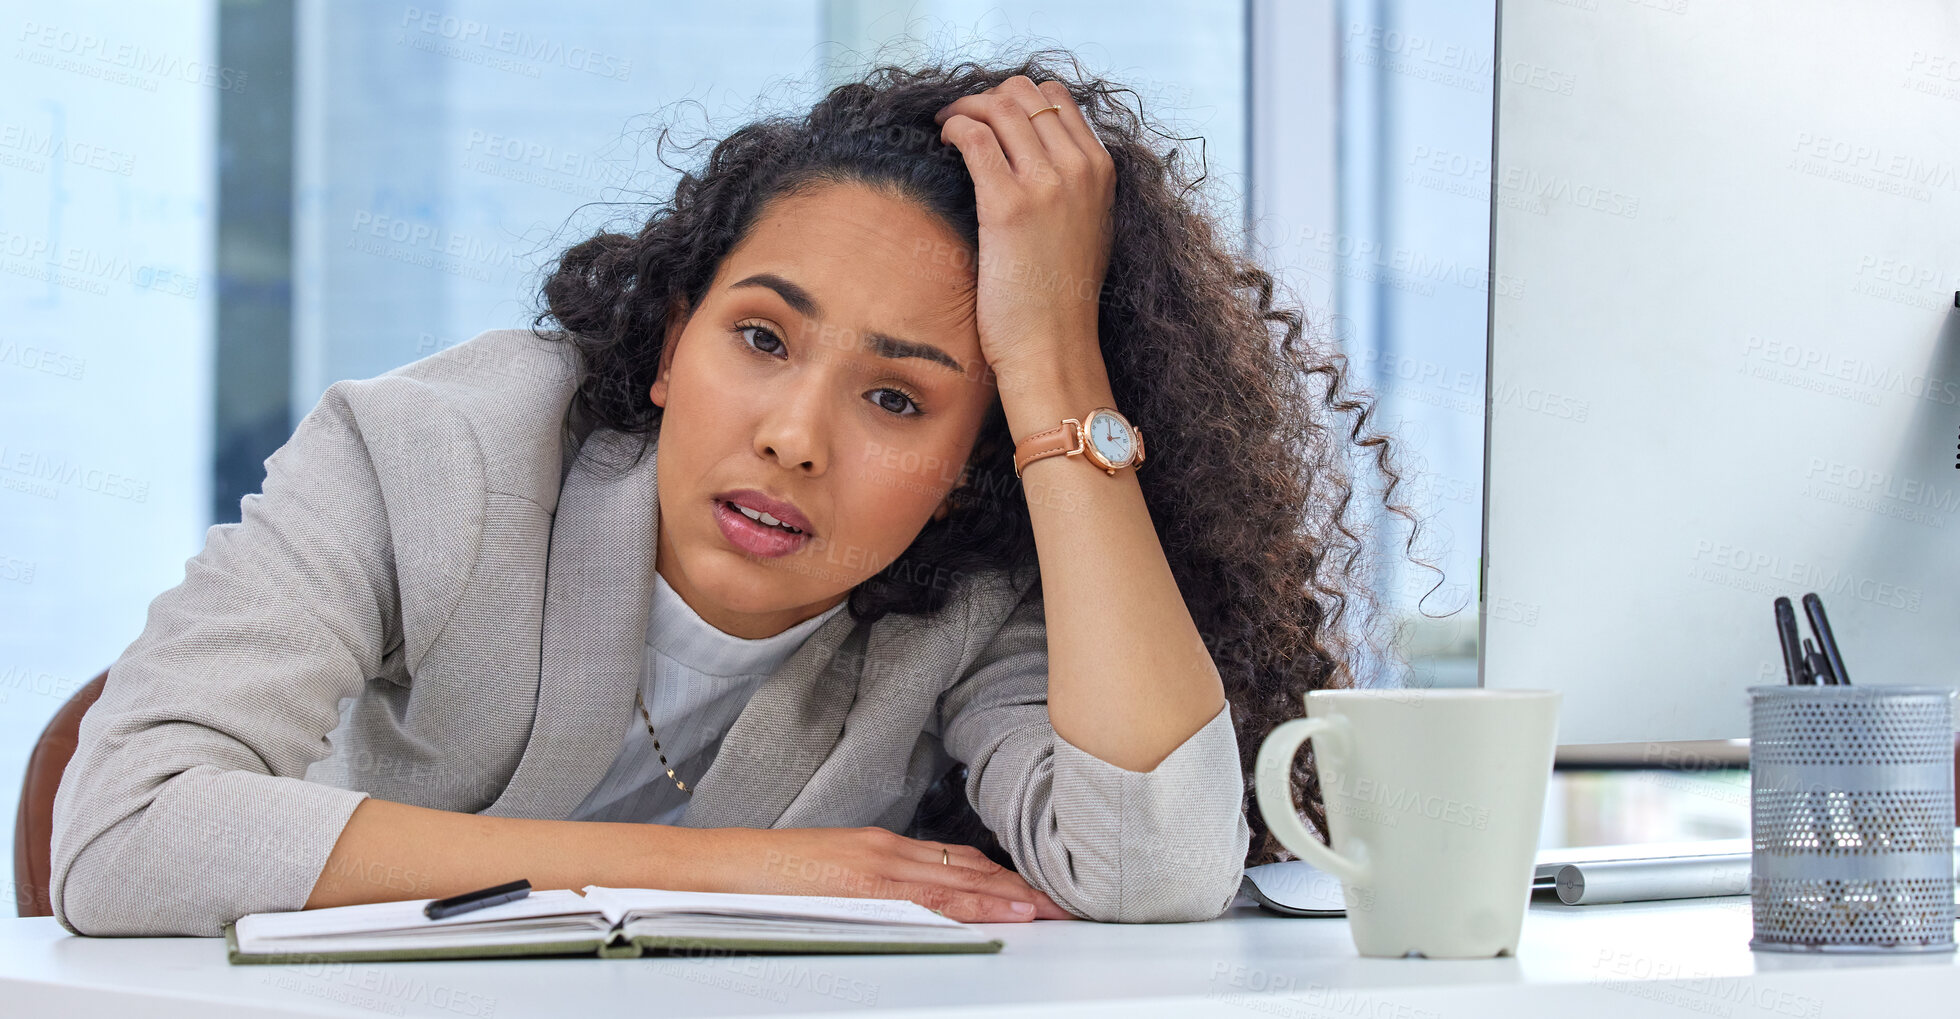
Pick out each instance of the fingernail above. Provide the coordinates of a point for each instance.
(1023, 907)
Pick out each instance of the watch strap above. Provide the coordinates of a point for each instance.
(1063, 439)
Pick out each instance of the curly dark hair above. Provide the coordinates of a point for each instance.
(1249, 479)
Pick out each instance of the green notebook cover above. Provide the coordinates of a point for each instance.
(615, 945)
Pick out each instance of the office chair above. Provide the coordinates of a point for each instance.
(34, 825)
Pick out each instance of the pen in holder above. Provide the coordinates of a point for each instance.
(1851, 813)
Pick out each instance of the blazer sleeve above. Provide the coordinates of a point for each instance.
(183, 807)
(1104, 842)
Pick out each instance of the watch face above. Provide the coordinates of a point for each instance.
(1112, 438)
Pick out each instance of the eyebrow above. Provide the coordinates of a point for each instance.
(881, 344)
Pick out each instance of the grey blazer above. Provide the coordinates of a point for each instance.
(427, 604)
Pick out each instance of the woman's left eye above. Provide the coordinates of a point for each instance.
(879, 397)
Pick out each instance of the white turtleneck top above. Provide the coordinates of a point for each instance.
(696, 680)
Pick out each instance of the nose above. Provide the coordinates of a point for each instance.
(792, 429)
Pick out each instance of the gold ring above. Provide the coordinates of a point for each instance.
(944, 856)
(1045, 109)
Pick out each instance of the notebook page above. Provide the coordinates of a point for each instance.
(791, 930)
(562, 931)
(405, 915)
(616, 902)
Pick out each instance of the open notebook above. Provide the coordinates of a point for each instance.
(606, 922)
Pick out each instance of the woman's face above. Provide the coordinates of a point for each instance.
(834, 366)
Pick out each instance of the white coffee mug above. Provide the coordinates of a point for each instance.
(1434, 799)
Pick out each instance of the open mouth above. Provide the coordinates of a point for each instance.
(755, 532)
(762, 518)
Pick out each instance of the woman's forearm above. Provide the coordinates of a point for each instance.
(1129, 677)
(391, 851)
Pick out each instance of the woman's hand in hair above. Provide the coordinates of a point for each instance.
(1045, 188)
(876, 863)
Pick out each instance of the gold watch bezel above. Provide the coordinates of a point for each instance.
(1086, 428)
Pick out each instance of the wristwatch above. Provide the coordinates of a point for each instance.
(1104, 437)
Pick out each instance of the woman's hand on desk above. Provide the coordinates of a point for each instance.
(879, 864)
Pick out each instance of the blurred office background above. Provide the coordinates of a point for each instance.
(211, 210)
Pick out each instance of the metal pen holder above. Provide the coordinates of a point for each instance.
(1852, 814)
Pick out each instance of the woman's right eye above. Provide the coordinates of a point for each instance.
(768, 337)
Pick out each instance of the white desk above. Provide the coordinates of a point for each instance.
(1683, 959)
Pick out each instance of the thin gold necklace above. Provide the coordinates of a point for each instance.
(639, 700)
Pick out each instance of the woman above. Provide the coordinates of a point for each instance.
(781, 546)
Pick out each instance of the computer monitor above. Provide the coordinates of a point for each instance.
(1731, 367)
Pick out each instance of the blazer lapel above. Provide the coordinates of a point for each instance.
(598, 596)
(789, 727)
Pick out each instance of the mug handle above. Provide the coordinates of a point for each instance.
(1273, 785)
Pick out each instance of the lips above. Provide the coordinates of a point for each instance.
(777, 508)
(755, 536)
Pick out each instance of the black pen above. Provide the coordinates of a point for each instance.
(1786, 635)
(1817, 672)
(439, 908)
(1826, 641)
